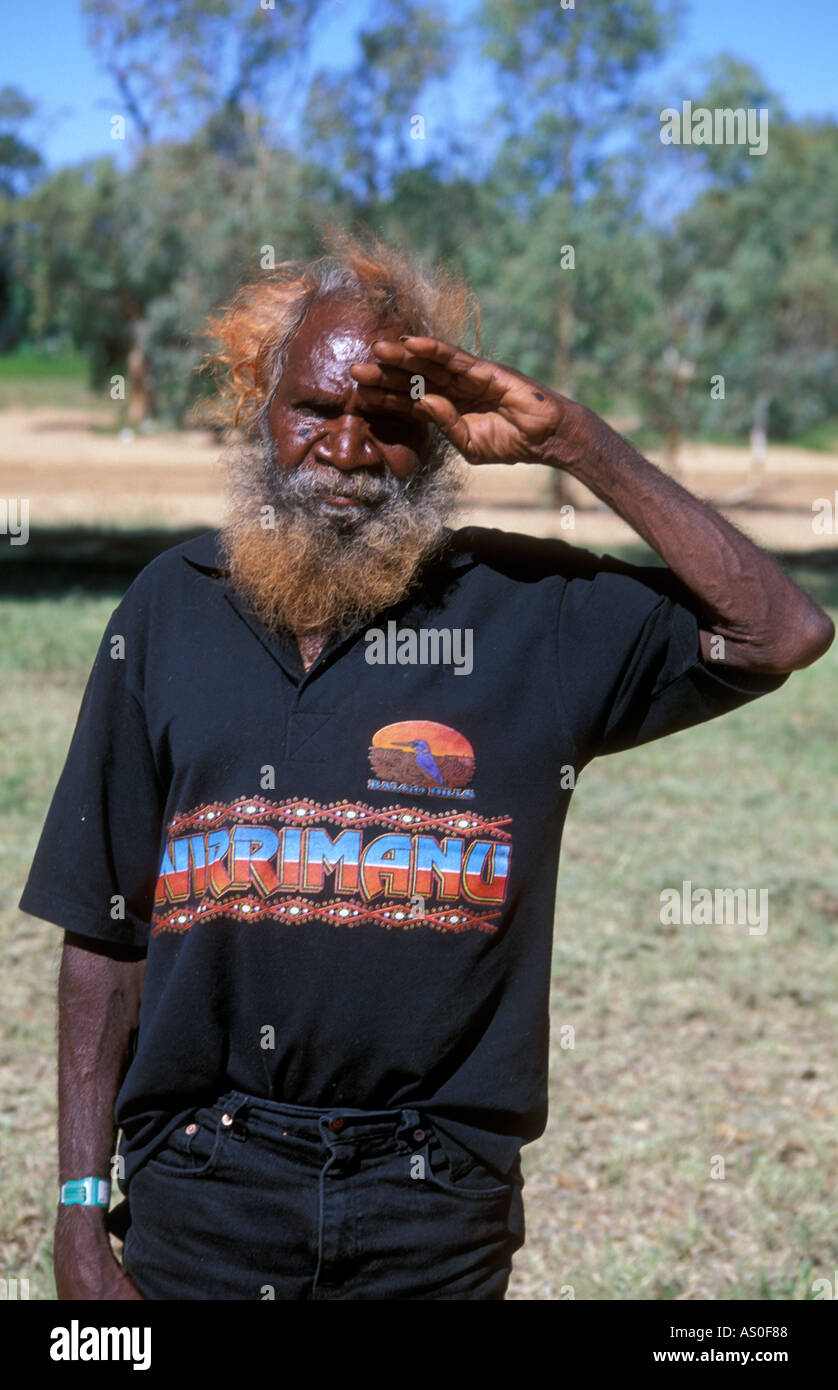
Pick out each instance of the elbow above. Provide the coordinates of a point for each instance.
(790, 646)
(818, 638)
(804, 641)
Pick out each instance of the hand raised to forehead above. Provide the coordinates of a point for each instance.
(490, 413)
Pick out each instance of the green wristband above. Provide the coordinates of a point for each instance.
(86, 1192)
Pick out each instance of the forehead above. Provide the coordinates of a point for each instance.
(330, 338)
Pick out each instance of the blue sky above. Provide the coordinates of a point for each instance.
(46, 54)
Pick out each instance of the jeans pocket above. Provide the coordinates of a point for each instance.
(192, 1149)
(470, 1179)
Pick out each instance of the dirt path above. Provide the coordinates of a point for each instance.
(72, 467)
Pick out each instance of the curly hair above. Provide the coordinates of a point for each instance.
(255, 329)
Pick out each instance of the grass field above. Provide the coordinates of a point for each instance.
(31, 377)
(692, 1043)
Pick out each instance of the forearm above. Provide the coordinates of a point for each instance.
(98, 1012)
(767, 621)
(99, 1000)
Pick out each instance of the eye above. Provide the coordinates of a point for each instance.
(396, 429)
(323, 408)
(388, 428)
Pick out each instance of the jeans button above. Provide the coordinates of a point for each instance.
(418, 1135)
(337, 1124)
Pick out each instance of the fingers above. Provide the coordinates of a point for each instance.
(395, 373)
(370, 374)
(446, 416)
(441, 363)
(395, 387)
(456, 359)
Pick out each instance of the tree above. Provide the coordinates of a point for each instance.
(20, 167)
(369, 123)
(20, 162)
(569, 83)
(756, 274)
(568, 80)
(187, 64)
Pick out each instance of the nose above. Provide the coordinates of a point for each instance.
(346, 443)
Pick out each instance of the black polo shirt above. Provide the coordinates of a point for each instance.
(344, 879)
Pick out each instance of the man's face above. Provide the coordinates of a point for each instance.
(319, 422)
(332, 515)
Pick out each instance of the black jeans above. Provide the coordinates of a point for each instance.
(252, 1199)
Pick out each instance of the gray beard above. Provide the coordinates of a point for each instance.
(302, 565)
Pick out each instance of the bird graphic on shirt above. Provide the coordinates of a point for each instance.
(424, 758)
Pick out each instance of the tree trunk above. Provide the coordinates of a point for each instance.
(671, 451)
(138, 384)
(672, 444)
(759, 439)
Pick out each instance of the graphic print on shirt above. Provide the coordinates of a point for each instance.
(345, 863)
(423, 758)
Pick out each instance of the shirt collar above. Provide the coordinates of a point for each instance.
(203, 553)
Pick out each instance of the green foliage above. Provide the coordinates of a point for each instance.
(239, 145)
(762, 280)
(20, 162)
(579, 70)
(368, 122)
(120, 261)
(20, 166)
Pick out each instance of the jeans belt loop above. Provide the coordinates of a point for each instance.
(411, 1124)
(327, 1134)
(234, 1102)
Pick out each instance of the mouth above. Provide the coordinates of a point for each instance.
(340, 499)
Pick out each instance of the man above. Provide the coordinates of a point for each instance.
(307, 870)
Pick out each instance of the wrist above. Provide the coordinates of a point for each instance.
(600, 456)
(80, 1231)
(81, 1218)
(575, 439)
(85, 1192)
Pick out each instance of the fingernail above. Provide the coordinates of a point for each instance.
(403, 336)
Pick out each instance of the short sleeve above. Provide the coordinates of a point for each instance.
(630, 662)
(94, 869)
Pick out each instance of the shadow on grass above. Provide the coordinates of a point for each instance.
(97, 560)
(93, 559)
